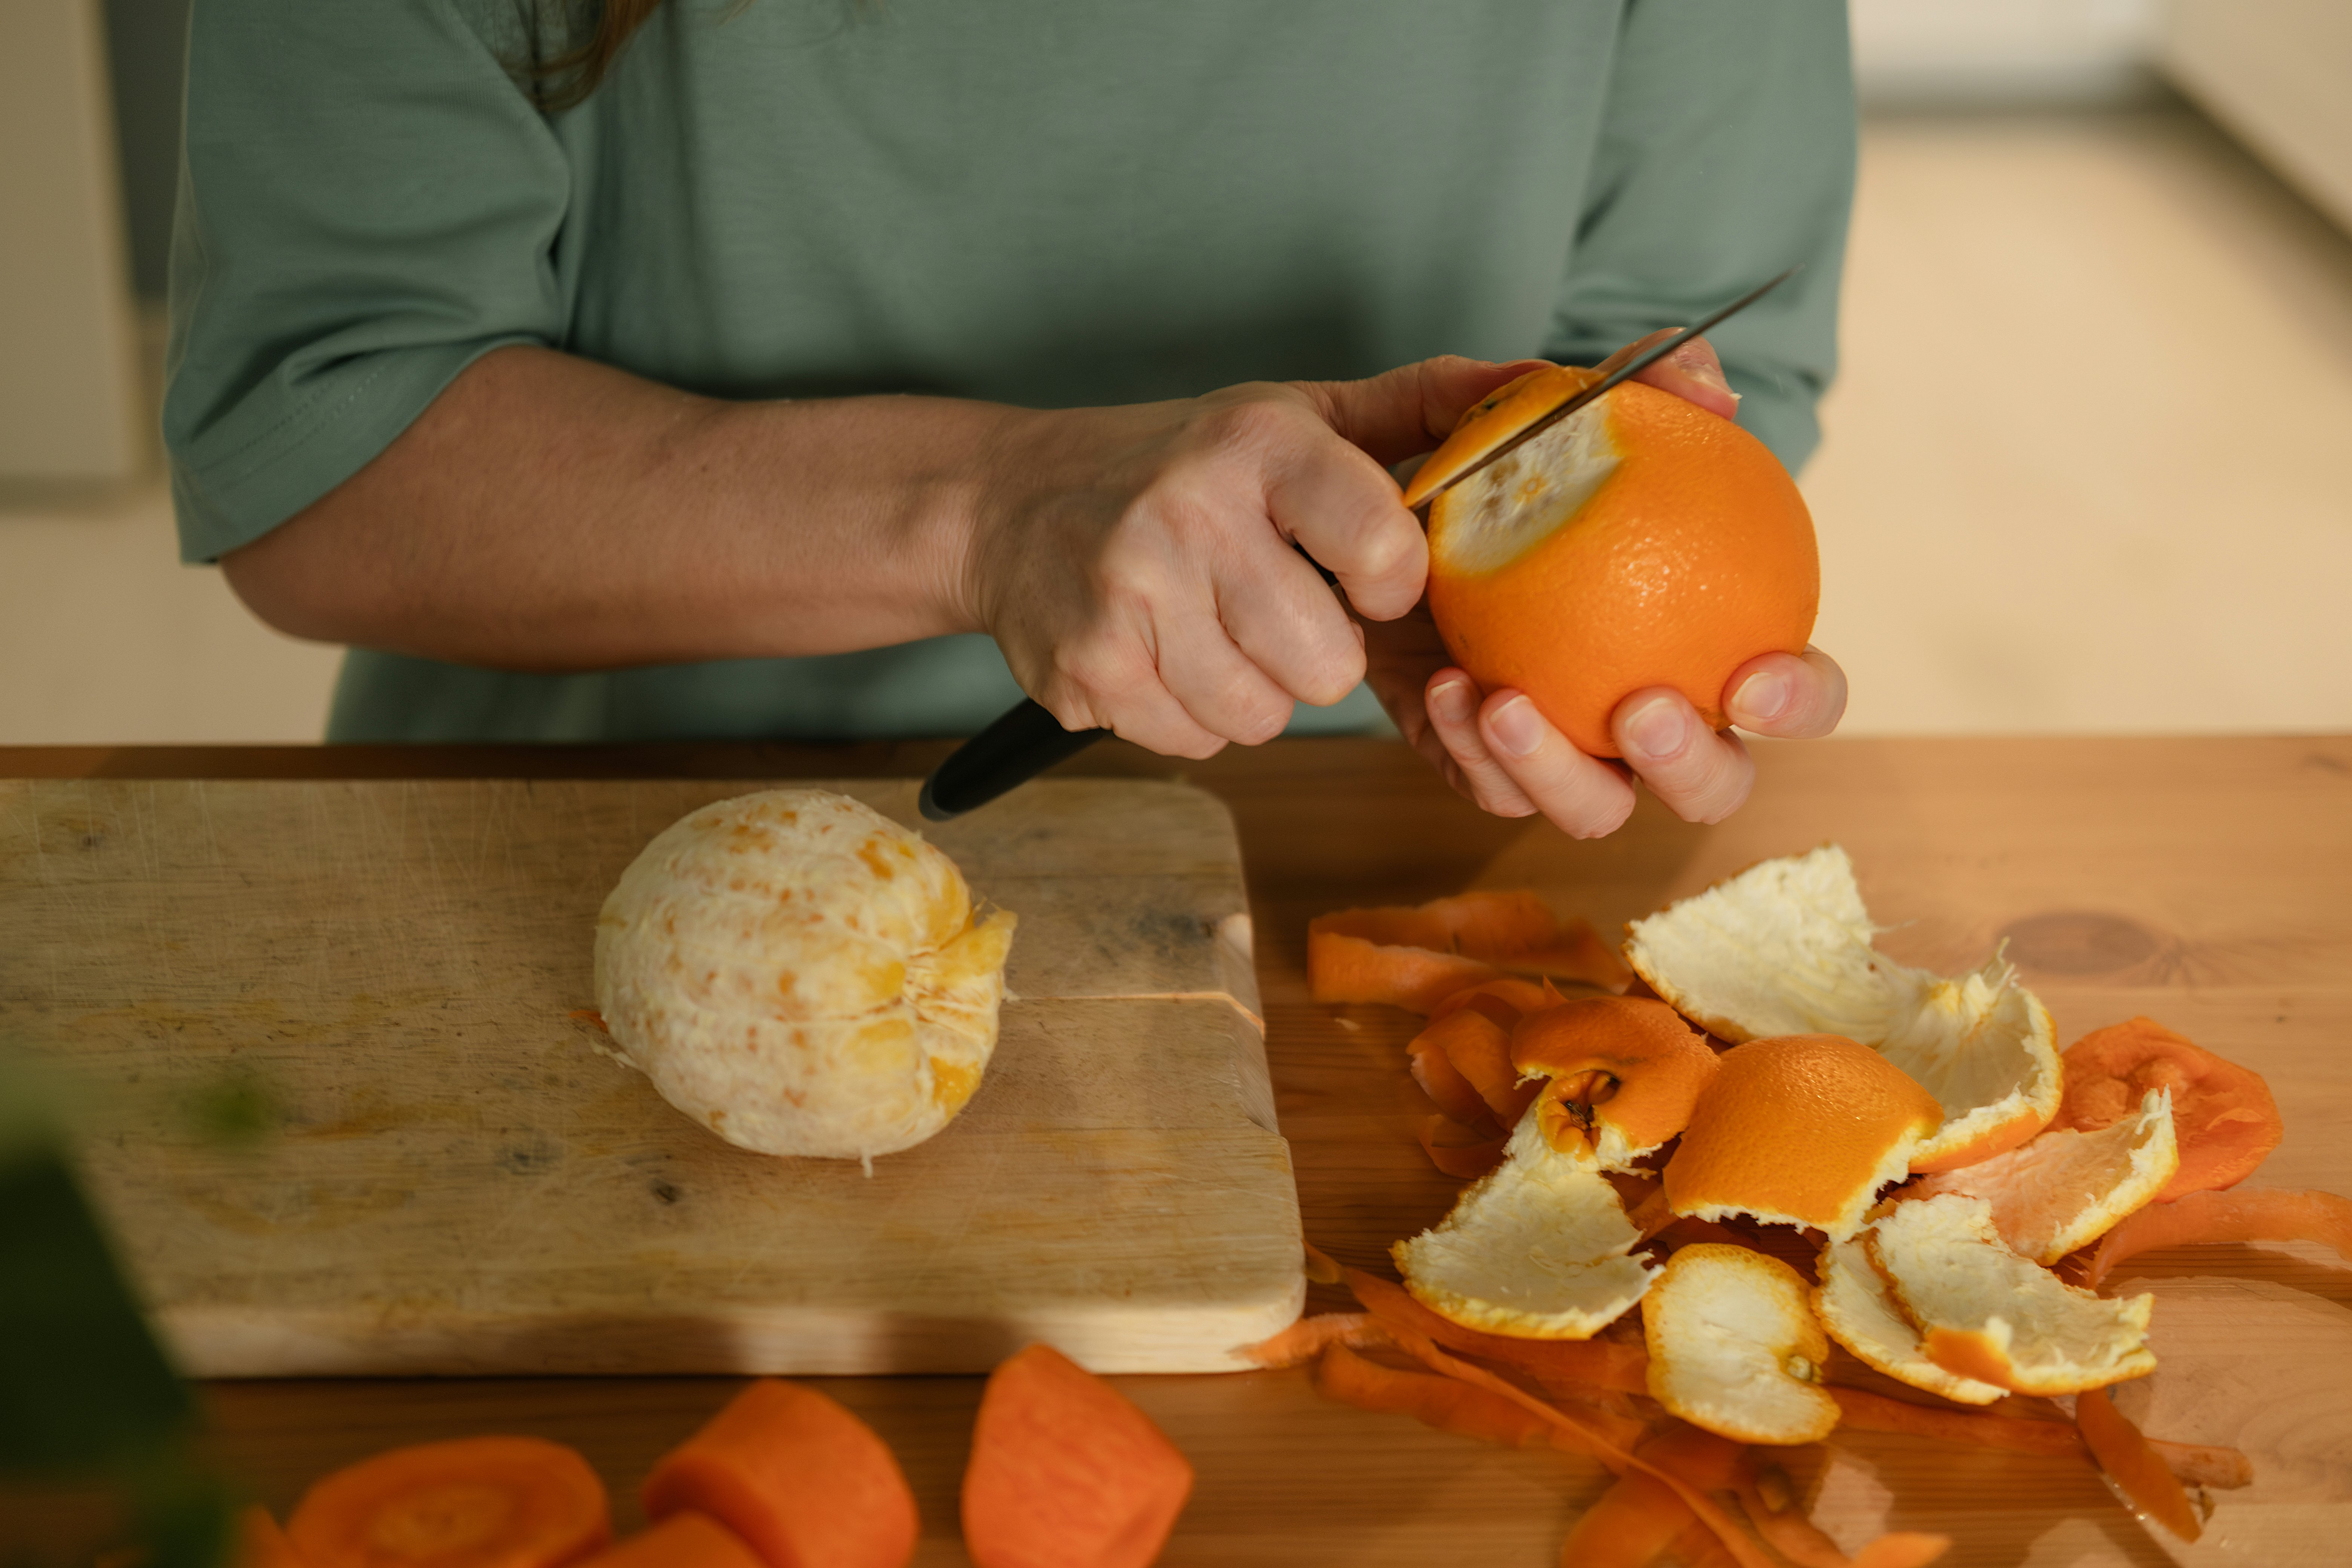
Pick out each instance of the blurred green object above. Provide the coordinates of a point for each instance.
(85, 1390)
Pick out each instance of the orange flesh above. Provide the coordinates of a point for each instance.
(2125, 1454)
(2223, 1114)
(798, 1477)
(474, 1502)
(2263, 1214)
(687, 1539)
(1064, 1470)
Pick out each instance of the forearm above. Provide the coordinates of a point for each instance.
(548, 513)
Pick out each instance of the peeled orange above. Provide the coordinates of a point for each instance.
(1639, 542)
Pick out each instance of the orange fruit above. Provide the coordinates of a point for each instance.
(1802, 1130)
(1624, 1073)
(1640, 542)
(2226, 1121)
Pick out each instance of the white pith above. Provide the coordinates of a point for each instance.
(1723, 1326)
(1854, 1306)
(2063, 1190)
(1494, 516)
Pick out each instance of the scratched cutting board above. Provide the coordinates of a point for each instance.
(343, 1121)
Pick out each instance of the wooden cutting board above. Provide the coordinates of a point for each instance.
(344, 1119)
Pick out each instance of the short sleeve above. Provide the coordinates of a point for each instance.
(1726, 156)
(368, 202)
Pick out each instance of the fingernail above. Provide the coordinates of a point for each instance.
(1657, 729)
(1450, 703)
(1763, 695)
(1519, 728)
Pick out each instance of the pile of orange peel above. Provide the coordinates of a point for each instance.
(1703, 1171)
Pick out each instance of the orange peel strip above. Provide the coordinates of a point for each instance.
(1434, 1401)
(1480, 1051)
(1321, 1266)
(2132, 1465)
(1505, 1001)
(1788, 1532)
(1460, 1152)
(1452, 1094)
(1417, 958)
(1307, 1338)
(1574, 1435)
(2223, 1117)
(1342, 968)
(1597, 1363)
(1639, 1517)
(2264, 1214)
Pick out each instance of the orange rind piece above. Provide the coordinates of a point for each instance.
(2133, 1465)
(1986, 1313)
(1537, 1249)
(2225, 1119)
(1415, 958)
(1802, 1130)
(1623, 1074)
(1493, 420)
(2062, 1190)
(1784, 948)
(1480, 1051)
(1734, 1346)
(1860, 1312)
(2265, 1213)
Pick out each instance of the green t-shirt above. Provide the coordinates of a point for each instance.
(1051, 203)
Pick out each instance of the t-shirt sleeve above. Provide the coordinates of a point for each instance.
(368, 202)
(1726, 156)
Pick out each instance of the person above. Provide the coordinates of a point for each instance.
(834, 368)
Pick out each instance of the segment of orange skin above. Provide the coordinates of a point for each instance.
(1460, 1152)
(1320, 1266)
(1655, 1065)
(1599, 1363)
(1310, 1337)
(2265, 1213)
(1341, 968)
(2132, 1465)
(1507, 1000)
(1790, 1147)
(1429, 1398)
(1452, 1093)
(2223, 1116)
(1788, 1532)
(1493, 420)
(1480, 1051)
(1720, 542)
(1640, 1516)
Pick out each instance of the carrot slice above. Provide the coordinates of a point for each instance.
(1066, 1473)
(260, 1543)
(1597, 1363)
(2223, 1117)
(1443, 1081)
(1460, 1151)
(2132, 1465)
(470, 1502)
(801, 1479)
(684, 1540)
(1343, 968)
(1428, 1398)
(1480, 1050)
(2265, 1213)
(1307, 1338)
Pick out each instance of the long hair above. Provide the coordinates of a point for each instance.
(561, 81)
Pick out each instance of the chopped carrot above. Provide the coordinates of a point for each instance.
(260, 1543)
(1321, 1267)
(1066, 1473)
(470, 1502)
(1480, 1050)
(684, 1539)
(1597, 1363)
(2132, 1465)
(2265, 1213)
(1342, 968)
(1444, 1083)
(1307, 1339)
(802, 1480)
(1505, 1001)
(1428, 1398)
(2223, 1117)
(1458, 1150)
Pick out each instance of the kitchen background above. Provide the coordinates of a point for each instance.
(2086, 465)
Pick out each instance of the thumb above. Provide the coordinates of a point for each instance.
(1404, 411)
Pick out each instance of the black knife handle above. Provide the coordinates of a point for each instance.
(1016, 747)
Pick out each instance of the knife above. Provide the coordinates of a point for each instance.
(1026, 740)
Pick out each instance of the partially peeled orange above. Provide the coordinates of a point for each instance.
(1640, 542)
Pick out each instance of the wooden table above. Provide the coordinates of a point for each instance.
(2208, 883)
